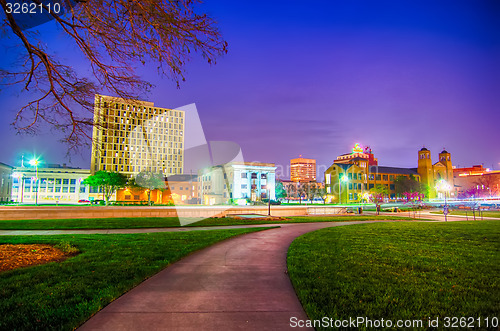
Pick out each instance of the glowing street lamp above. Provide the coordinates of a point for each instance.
(443, 186)
(342, 179)
(35, 163)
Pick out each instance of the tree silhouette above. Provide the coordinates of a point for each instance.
(114, 36)
(280, 192)
(377, 195)
(322, 193)
(403, 184)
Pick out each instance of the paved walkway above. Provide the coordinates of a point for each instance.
(238, 284)
(423, 215)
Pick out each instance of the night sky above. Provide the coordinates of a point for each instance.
(313, 78)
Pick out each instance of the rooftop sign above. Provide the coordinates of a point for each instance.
(357, 148)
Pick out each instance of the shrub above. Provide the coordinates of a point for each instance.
(67, 248)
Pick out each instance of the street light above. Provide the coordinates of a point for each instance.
(34, 163)
(445, 187)
(268, 202)
(342, 179)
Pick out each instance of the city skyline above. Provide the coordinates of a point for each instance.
(315, 80)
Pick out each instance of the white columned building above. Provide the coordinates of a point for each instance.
(55, 184)
(237, 181)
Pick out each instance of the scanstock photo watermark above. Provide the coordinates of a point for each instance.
(366, 322)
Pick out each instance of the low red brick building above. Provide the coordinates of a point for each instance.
(179, 189)
(476, 181)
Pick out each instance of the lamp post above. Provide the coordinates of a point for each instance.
(342, 179)
(34, 163)
(268, 202)
(444, 187)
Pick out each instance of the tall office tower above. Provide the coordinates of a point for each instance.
(302, 170)
(131, 136)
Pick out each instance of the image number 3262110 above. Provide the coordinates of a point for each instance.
(33, 8)
(28, 14)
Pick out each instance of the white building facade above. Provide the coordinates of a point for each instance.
(235, 181)
(49, 185)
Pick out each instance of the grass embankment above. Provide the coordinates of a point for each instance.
(64, 295)
(485, 213)
(167, 222)
(399, 271)
(91, 223)
(295, 219)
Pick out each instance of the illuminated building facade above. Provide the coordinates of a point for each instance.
(5, 182)
(432, 174)
(179, 190)
(131, 136)
(237, 180)
(358, 152)
(54, 184)
(477, 182)
(302, 170)
(352, 176)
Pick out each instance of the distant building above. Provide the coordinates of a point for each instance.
(5, 182)
(134, 136)
(184, 189)
(237, 180)
(476, 181)
(351, 176)
(359, 172)
(431, 174)
(358, 152)
(55, 184)
(302, 170)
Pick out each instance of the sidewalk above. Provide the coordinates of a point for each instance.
(424, 215)
(238, 284)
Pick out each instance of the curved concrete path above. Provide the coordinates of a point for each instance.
(424, 217)
(238, 284)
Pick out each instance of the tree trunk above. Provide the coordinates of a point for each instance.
(149, 197)
(106, 196)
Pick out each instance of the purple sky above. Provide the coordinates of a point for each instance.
(314, 78)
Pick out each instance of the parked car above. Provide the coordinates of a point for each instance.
(83, 201)
(273, 202)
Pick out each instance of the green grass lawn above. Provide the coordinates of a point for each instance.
(166, 222)
(296, 219)
(91, 223)
(64, 295)
(485, 213)
(399, 271)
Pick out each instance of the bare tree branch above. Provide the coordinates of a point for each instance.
(114, 36)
